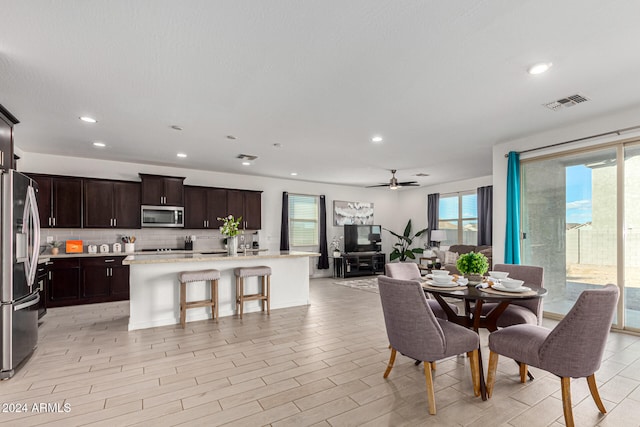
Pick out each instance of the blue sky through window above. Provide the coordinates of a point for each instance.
(579, 199)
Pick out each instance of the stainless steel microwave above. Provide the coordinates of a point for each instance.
(162, 216)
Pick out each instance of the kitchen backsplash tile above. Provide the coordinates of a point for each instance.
(148, 238)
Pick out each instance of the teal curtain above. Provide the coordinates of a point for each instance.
(512, 239)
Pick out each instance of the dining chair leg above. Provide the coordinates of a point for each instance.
(593, 388)
(475, 372)
(565, 383)
(433, 366)
(392, 359)
(523, 372)
(431, 397)
(491, 373)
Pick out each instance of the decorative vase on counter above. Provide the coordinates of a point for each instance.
(232, 245)
(55, 251)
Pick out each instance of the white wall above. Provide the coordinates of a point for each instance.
(385, 201)
(583, 129)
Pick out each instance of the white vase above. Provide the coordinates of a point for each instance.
(232, 246)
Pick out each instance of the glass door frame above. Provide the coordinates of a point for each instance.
(620, 145)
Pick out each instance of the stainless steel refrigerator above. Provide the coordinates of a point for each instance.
(19, 297)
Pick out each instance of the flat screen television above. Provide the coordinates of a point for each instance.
(362, 238)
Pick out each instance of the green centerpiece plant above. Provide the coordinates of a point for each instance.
(401, 249)
(473, 265)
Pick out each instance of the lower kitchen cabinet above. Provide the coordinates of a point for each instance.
(87, 280)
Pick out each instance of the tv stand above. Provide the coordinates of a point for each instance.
(361, 264)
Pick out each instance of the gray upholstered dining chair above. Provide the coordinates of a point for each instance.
(415, 332)
(518, 312)
(411, 271)
(573, 349)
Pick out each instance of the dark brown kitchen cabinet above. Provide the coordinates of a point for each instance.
(59, 201)
(87, 280)
(7, 121)
(248, 205)
(42, 282)
(111, 204)
(203, 206)
(158, 190)
(64, 282)
(104, 279)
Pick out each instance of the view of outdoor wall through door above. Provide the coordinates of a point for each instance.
(569, 223)
(632, 236)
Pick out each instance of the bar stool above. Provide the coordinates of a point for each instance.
(265, 294)
(198, 276)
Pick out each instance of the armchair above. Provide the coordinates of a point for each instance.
(415, 332)
(573, 349)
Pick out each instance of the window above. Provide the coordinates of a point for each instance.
(303, 220)
(458, 217)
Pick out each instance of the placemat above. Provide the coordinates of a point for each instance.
(426, 285)
(523, 294)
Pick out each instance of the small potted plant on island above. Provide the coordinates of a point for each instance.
(473, 266)
(55, 247)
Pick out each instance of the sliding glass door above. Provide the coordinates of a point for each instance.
(569, 223)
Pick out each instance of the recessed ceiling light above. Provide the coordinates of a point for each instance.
(540, 68)
(294, 174)
(231, 137)
(88, 119)
(246, 163)
(277, 145)
(99, 144)
(176, 127)
(181, 155)
(376, 139)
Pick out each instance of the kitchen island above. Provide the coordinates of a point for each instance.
(154, 298)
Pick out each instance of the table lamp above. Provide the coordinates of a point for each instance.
(438, 236)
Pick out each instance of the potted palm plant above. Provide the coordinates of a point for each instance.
(401, 249)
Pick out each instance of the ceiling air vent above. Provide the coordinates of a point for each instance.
(567, 102)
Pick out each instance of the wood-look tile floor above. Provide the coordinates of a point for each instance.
(319, 365)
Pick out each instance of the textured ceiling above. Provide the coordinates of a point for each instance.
(442, 82)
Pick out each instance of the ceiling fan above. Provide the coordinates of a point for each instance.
(394, 184)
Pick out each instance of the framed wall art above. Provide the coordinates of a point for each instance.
(359, 213)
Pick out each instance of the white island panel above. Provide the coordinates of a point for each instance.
(155, 292)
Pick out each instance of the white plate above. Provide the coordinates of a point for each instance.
(501, 287)
(443, 285)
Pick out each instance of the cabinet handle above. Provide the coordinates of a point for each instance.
(49, 275)
(54, 221)
(115, 222)
(110, 272)
(49, 221)
(109, 260)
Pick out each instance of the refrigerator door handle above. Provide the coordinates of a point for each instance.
(34, 219)
(27, 304)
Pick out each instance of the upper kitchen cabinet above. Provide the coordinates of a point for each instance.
(59, 201)
(160, 190)
(248, 205)
(203, 206)
(7, 120)
(111, 204)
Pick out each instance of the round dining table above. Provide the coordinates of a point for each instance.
(472, 317)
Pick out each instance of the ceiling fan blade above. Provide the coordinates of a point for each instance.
(407, 183)
(379, 185)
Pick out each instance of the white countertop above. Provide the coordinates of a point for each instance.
(174, 257)
(47, 253)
